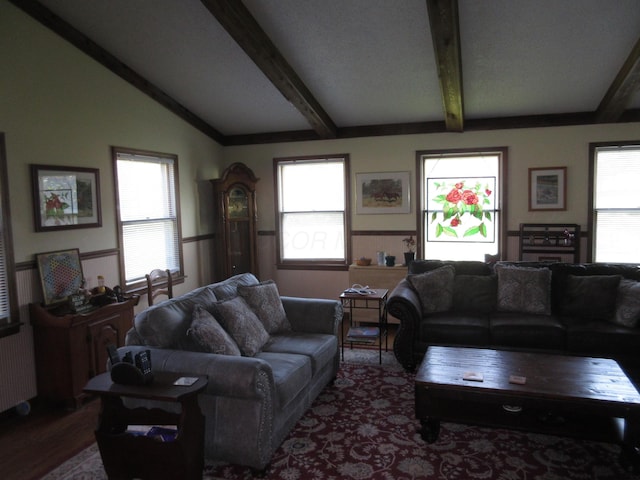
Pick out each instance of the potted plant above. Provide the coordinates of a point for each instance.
(410, 246)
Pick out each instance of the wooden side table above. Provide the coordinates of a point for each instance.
(375, 300)
(133, 456)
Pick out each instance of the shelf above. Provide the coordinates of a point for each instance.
(550, 242)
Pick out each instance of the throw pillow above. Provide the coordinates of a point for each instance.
(524, 289)
(264, 300)
(590, 296)
(434, 288)
(475, 293)
(206, 335)
(628, 303)
(242, 324)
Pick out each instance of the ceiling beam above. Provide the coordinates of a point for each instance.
(445, 32)
(245, 30)
(50, 20)
(621, 91)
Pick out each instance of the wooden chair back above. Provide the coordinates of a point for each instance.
(159, 282)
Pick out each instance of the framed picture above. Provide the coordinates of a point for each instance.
(60, 274)
(384, 192)
(65, 197)
(548, 188)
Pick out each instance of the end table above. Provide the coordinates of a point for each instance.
(375, 300)
(133, 456)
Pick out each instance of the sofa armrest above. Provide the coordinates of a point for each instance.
(229, 376)
(404, 304)
(313, 315)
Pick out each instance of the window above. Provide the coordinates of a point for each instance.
(312, 205)
(614, 173)
(462, 204)
(9, 317)
(148, 214)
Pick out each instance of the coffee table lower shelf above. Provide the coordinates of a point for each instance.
(532, 419)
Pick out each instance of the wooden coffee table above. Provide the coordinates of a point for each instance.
(566, 395)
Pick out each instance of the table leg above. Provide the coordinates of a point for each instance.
(630, 451)
(430, 429)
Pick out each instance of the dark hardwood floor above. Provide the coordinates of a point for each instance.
(33, 445)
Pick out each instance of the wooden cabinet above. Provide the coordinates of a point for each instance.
(236, 220)
(375, 276)
(550, 242)
(70, 349)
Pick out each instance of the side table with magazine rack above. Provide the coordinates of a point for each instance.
(125, 454)
(358, 297)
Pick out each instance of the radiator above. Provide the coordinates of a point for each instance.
(17, 359)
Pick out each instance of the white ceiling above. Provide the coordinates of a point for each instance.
(368, 62)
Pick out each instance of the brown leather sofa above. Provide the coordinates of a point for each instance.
(585, 309)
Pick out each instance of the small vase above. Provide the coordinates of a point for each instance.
(409, 257)
(390, 260)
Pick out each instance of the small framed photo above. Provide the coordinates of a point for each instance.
(384, 192)
(548, 188)
(65, 197)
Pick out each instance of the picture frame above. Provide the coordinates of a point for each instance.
(65, 197)
(60, 274)
(383, 192)
(548, 188)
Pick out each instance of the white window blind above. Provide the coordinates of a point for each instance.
(5, 310)
(616, 204)
(147, 214)
(312, 205)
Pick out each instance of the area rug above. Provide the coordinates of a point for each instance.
(363, 427)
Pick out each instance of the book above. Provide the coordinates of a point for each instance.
(363, 332)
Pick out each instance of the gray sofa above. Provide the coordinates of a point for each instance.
(589, 309)
(251, 402)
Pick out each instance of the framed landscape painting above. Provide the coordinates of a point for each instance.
(385, 192)
(548, 188)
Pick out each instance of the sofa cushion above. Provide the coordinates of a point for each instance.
(165, 325)
(242, 324)
(229, 288)
(434, 288)
(454, 328)
(462, 267)
(590, 296)
(320, 348)
(206, 335)
(474, 293)
(627, 303)
(524, 289)
(596, 338)
(291, 374)
(526, 330)
(264, 300)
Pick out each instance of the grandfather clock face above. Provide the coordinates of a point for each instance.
(238, 203)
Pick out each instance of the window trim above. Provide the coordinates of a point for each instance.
(502, 203)
(591, 224)
(12, 327)
(282, 264)
(141, 284)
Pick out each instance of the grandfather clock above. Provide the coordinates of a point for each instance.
(236, 218)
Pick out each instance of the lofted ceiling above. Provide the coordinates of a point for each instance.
(282, 70)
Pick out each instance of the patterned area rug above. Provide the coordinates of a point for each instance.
(363, 427)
